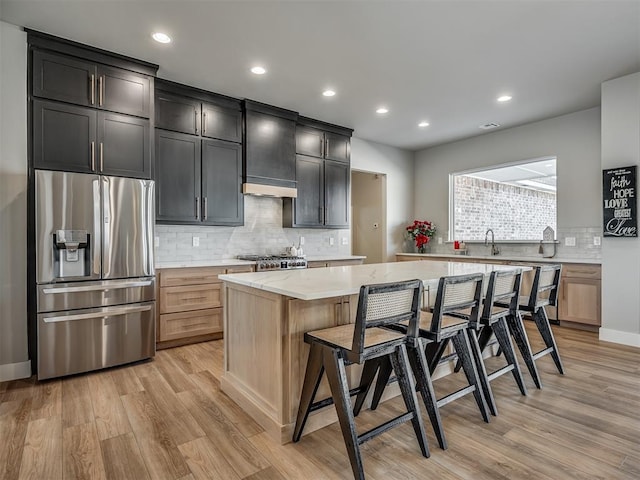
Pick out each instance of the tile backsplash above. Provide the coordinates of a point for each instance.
(262, 233)
(584, 246)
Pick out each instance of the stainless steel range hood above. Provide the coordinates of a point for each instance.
(269, 190)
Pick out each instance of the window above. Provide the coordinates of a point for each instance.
(516, 201)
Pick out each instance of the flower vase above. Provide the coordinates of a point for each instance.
(423, 249)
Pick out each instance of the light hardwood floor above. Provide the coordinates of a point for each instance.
(168, 419)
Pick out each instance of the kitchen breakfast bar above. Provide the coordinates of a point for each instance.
(267, 314)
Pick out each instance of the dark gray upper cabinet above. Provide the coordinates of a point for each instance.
(222, 199)
(221, 123)
(89, 108)
(214, 163)
(64, 137)
(177, 113)
(323, 140)
(123, 145)
(336, 193)
(80, 139)
(185, 109)
(270, 146)
(82, 82)
(323, 176)
(177, 176)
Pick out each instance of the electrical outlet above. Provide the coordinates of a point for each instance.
(439, 240)
(597, 241)
(301, 240)
(570, 241)
(331, 241)
(196, 241)
(345, 241)
(156, 241)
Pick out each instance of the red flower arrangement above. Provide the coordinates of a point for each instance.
(421, 232)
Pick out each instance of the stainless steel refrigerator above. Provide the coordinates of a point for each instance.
(94, 271)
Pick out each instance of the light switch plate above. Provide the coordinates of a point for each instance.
(439, 240)
(196, 241)
(331, 241)
(597, 241)
(570, 241)
(345, 241)
(156, 241)
(301, 240)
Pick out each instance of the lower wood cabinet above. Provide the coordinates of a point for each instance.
(190, 304)
(335, 263)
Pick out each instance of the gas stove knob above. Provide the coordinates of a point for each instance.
(261, 266)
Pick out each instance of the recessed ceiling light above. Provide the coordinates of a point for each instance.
(382, 110)
(504, 98)
(161, 37)
(328, 93)
(259, 70)
(423, 124)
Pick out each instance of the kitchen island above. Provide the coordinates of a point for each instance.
(267, 314)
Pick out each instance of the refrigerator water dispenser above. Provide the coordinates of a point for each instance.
(71, 255)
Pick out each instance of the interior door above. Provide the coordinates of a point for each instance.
(128, 219)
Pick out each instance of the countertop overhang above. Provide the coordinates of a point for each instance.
(318, 283)
(507, 258)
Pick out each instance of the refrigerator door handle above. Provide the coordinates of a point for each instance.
(104, 228)
(94, 288)
(96, 242)
(105, 312)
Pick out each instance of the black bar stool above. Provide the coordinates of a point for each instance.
(544, 291)
(500, 303)
(333, 348)
(436, 330)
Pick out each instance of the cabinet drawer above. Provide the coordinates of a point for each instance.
(190, 276)
(174, 326)
(581, 271)
(317, 264)
(194, 297)
(241, 269)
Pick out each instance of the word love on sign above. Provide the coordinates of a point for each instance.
(620, 202)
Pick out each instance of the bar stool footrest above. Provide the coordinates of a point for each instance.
(329, 400)
(455, 395)
(499, 372)
(542, 353)
(374, 432)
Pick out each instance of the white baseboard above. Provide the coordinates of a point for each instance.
(617, 336)
(14, 371)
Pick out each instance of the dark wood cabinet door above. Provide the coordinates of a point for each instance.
(64, 137)
(221, 123)
(309, 205)
(222, 199)
(123, 145)
(336, 191)
(270, 144)
(337, 147)
(123, 91)
(177, 175)
(63, 78)
(177, 113)
(309, 141)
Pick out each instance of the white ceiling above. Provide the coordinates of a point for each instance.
(440, 61)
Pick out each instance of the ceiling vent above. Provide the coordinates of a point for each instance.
(488, 126)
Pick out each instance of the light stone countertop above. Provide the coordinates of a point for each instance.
(230, 262)
(317, 283)
(508, 258)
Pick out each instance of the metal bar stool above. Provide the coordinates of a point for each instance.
(501, 302)
(436, 330)
(334, 348)
(544, 291)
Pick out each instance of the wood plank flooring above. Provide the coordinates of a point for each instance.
(168, 419)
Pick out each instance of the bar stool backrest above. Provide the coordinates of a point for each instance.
(544, 290)
(457, 293)
(386, 304)
(503, 288)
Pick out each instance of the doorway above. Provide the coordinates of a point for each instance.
(369, 215)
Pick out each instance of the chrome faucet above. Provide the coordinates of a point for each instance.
(494, 249)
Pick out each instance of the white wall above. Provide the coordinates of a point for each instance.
(573, 138)
(621, 256)
(14, 361)
(398, 165)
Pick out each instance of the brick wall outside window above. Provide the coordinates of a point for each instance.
(514, 213)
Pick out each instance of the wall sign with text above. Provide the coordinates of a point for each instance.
(620, 207)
